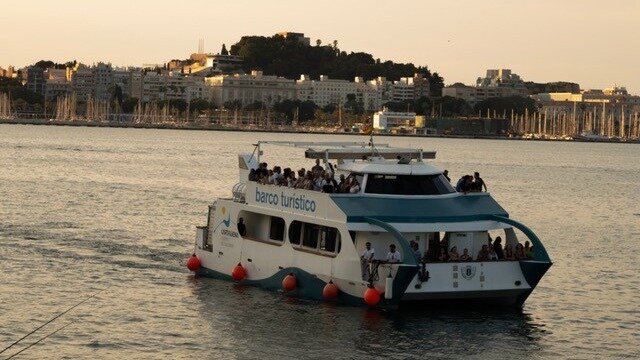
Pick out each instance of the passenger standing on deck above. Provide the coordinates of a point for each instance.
(317, 167)
(497, 247)
(478, 183)
(416, 251)
(365, 259)
(342, 185)
(446, 175)
(393, 256)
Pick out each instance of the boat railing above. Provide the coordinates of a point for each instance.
(239, 192)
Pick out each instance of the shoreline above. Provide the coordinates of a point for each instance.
(281, 129)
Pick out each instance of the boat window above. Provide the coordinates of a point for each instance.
(277, 229)
(314, 238)
(408, 184)
(294, 232)
(330, 239)
(261, 227)
(310, 235)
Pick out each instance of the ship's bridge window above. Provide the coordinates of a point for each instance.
(324, 240)
(408, 184)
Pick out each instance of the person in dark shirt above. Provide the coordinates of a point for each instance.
(446, 175)
(478, 183)
(317, 167)
(242, 229)
(497, 247)
(464, 184)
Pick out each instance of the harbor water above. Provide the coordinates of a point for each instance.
(112, 213)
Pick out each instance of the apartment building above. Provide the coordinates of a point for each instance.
(496, 83)
(153, 86)
(250, 88)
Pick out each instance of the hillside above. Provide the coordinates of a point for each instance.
(289, 58)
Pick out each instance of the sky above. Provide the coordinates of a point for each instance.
(594, 43)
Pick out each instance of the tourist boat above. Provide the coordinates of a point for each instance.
(309, 244)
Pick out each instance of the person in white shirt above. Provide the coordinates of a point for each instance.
(393, 256)
(365, 259)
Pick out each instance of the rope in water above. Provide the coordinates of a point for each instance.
(50, 321)
(10, 357)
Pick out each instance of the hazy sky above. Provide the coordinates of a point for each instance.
(593, 42)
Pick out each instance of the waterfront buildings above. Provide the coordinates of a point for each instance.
(250, 88)
(326, 91)
(385, 119)
(153, 86)
(496, 83)
(35, 79)
(614, 102)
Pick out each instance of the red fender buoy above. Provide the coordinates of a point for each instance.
(239, 272)
(371, 296)
(289, 282)
(330, 291)
(193, 263)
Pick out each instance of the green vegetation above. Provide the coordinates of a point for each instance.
(501, 105)
(559, 86)
(289, 58)
(443, 106)
(46, 64)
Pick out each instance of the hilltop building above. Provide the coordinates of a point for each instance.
(295, 35)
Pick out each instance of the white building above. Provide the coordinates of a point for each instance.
(251, 88)
(497, 83)
(386, 119)
(328, 91)
(151, 86)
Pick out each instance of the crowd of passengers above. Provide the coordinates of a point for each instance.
(322, 179)
(493, 250)
(317, 179)
(468, 183)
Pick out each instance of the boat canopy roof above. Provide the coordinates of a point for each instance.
(353, 150)
(388, 167)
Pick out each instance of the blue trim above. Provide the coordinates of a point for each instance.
(533, 272)
(416, 210)
(539, 252)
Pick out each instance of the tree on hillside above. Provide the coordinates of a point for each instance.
(224, 50)
(290, 58)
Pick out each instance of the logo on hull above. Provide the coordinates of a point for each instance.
(468, 272)
(226, 222)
